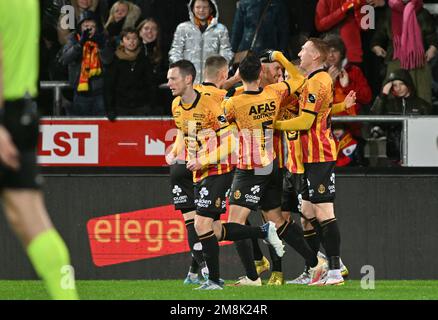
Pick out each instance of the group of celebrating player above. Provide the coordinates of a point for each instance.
(263, 145)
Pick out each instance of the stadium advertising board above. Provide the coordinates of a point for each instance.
(100, 143)
(138, 235)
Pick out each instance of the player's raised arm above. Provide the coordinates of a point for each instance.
(310, 108)
(296, 80)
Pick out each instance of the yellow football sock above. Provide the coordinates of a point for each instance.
(49, 256)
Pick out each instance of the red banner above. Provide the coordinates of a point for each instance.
(100, 143)
(138, 235)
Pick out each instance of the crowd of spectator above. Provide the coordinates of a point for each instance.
(117, 54)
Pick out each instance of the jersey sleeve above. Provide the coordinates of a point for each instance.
(216, 118)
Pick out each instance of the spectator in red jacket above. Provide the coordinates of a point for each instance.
(347, 77)
(344, 18)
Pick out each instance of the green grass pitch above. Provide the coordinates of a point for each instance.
(175, 290)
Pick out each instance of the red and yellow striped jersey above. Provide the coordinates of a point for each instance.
(294, 156)
(318, 143)
(255, 113)
(202, 123)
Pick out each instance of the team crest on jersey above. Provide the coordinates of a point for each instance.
(237, 194)
(222, 119)
(311, 98)
(218, 203)
(321, 189)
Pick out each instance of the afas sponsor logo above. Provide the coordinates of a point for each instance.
(262, 108)
(138, 235)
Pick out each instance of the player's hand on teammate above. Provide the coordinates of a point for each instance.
(267, 56)
(194, 165)
(350, 99)
(9, 155)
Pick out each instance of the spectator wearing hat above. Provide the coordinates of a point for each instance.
(87, 53)
(79, 6)
(398, 97)
(407, 39)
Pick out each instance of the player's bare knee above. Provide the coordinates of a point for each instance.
(324, 211)
(238, 214)
(217, 229)
(306, 224)
(203, 225)
(189, 215)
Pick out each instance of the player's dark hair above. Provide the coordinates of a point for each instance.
(250, 68)
(185, 67)
(321, 46)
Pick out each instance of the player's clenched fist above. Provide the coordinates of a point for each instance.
(267, 56)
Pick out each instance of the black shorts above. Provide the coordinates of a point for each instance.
(21, 120)
(292, 188)
(181, 182)
(320, 186)
(254, 191)
(211, 195)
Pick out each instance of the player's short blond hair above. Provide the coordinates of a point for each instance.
(321, 46)
(213, 65)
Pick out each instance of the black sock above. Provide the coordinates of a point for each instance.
(197, 256)
(235, 231)
(331, 239)
(293, 236)
(194, 267)
(245, 253)
(315, 224)
(276, 260)
(312, 239)
(210, 248)
(258, 255)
